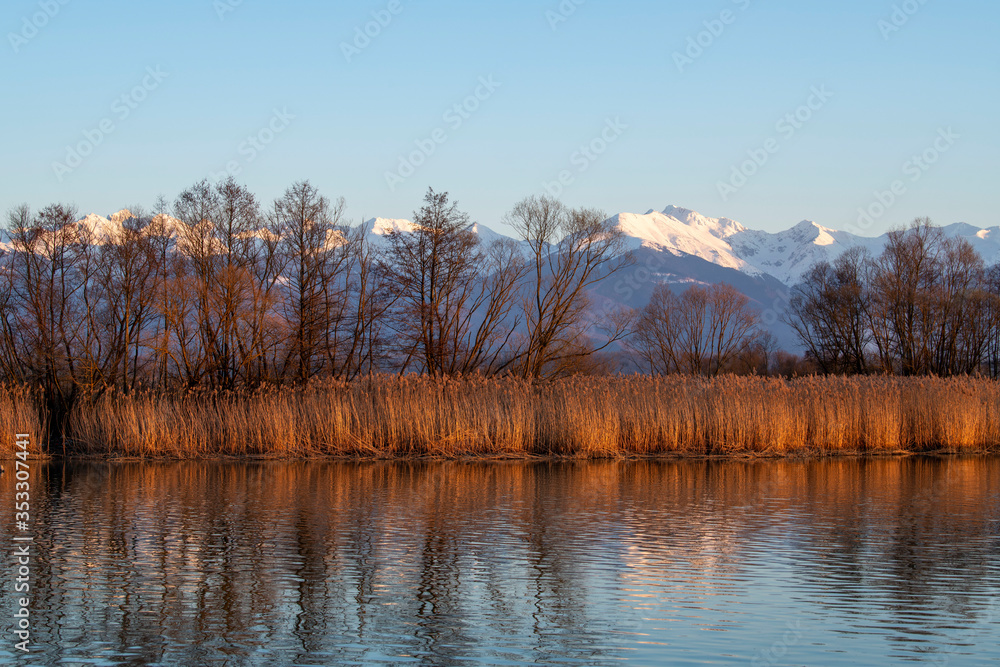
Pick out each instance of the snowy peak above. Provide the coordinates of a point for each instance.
(691, 236)
(382, 227)
(785, 255)
(486, 235)
(717, 227)
(99, 229)
(164, 225)
(808, 231)
(121, 216)
(385, 226)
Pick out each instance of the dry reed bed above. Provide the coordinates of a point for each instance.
(391, 417)
(19, 414)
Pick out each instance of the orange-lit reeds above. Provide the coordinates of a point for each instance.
(587, 417)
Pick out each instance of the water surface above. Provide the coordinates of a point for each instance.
(765, 563)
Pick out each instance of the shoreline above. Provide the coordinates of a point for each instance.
(747, 457)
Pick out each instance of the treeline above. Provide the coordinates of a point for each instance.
(705, 331)
(217, 291)
(927, 305)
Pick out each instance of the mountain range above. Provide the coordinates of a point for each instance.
(681, 247)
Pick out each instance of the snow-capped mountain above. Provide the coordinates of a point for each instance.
(785, 255)
(726, 243)
(677, 246)
(382, 227)
(101, 229)
(681, 232)
(379, 228)
(678, 232)
(695, 235)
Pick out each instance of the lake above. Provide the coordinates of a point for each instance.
(827, 562)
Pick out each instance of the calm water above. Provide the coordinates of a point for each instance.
(802, 563)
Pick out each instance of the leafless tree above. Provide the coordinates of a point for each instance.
(119, 293)
(829, 310)
(703, 331)
(923, 306)
(569, 252)
(44, 304)
(656, 334)
(992, 321)
(315, 255)
(733, 326)
(372, 299)
(221, 238)
(902, 282)
(455, 298)
(759, 358)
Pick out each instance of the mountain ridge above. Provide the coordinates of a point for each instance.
(785, 255)
(676, 247)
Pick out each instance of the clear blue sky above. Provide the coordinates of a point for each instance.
(687, 127)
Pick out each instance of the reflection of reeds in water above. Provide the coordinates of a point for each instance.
(322, 558)
(583, 417)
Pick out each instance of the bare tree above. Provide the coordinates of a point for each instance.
(961, 310)
(656, 335)
(703, 331)
(372, 300)
(923, 306)
(830, 312)
(991, 297)
(119, 295)
(759, 358)
(902, 279)
(315, 255)
(44, 300)
(160, 236)
(733, 326)
(221, 238)
(569, 251)
(456, 298)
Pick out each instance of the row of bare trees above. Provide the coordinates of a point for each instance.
(928, 304)
(224, 294)
(704, 331)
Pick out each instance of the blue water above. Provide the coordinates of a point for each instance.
(646, 563)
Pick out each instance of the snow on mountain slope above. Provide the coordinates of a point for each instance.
(487, 235)
(789, 254)
(164, 225)
(784, 255)
(720, 228)
(681, 232)
(379, 228)
(694, 235)
(985, 241)
(100, 229)
(384, 226)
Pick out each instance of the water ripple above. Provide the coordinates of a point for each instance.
(825, 562)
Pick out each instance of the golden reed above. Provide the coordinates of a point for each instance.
(606, 417)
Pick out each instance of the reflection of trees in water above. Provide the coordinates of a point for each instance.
(574, 544)
(896, 543)
(438, 615)
(194, 562)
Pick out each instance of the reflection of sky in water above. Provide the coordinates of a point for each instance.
(444, 563)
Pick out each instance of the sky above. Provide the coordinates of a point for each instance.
(857, 114)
